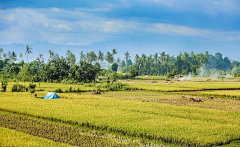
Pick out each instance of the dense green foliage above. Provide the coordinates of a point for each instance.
(67, 70)
(19, 88)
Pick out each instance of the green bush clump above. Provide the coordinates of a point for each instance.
(81, 83)
(19, 88)
(59, 90)
(70, 89)
(4, 85)
(78, 90)
(116, 86)
(113, 87)
(90, 85)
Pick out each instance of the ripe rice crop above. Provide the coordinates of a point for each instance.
(181, 99)
(9, 137)
(181, 86)
(52, 86)
(63, 134)
(186, 126)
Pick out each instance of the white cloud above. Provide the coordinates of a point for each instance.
(78, 43)
(80, 28)
(211, 7)
(178, 30)
(11, 17)
(63, 27)
(55, 9)
(45, 24)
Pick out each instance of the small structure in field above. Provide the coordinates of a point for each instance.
(95, 92)
(211, 97)
(154, 82)
(197, 100)
(51, 95)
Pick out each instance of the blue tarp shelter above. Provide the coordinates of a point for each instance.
(51, 95)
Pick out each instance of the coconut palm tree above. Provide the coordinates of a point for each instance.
(91, 57)
(1, 51)
(13, 56)
(114, 52)
(109, 58)
(28, 51)
(100, 56)
(51, 53)
(127, 56)
(20, 56)
(4, 55)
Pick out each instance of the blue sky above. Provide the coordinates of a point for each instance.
(137, 26)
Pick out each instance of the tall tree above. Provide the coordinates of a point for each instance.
(20, 56)
(109, 58)
(51, 54)
(91, 57)
(1, 51)
(68, 53)
(127, 56)
(118, 61)
(9, 54)
(72, 59)
(4, 55)
(114, 52)
(13, 56)
(82, 56)
(28, 51)
(100, 56)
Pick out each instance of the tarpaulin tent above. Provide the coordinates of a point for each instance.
(51, 95)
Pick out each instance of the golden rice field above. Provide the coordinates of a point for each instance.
(176, 86)
(233, 94)
(179, 100)
(9, 137)
(152, 117)
(52, 86)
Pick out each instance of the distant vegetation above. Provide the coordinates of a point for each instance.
(88, 68)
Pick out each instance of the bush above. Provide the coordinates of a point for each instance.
(70, 89)
(90, 85)
(112, 87)
(32, 86)
(116, 86)
(80, 83)
(59, 90)
(19, 88)
(4, 85)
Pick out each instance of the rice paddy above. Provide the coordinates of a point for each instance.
(150, 114)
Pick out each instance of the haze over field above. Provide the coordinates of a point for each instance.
(137, 26)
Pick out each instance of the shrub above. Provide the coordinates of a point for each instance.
(70, 89)
(18, 88)
(80, 83)
(116, 86)
(4, 85)
(59, 90)
(78, 90)
(32, 86)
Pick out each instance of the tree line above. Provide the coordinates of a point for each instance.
(68, 70)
